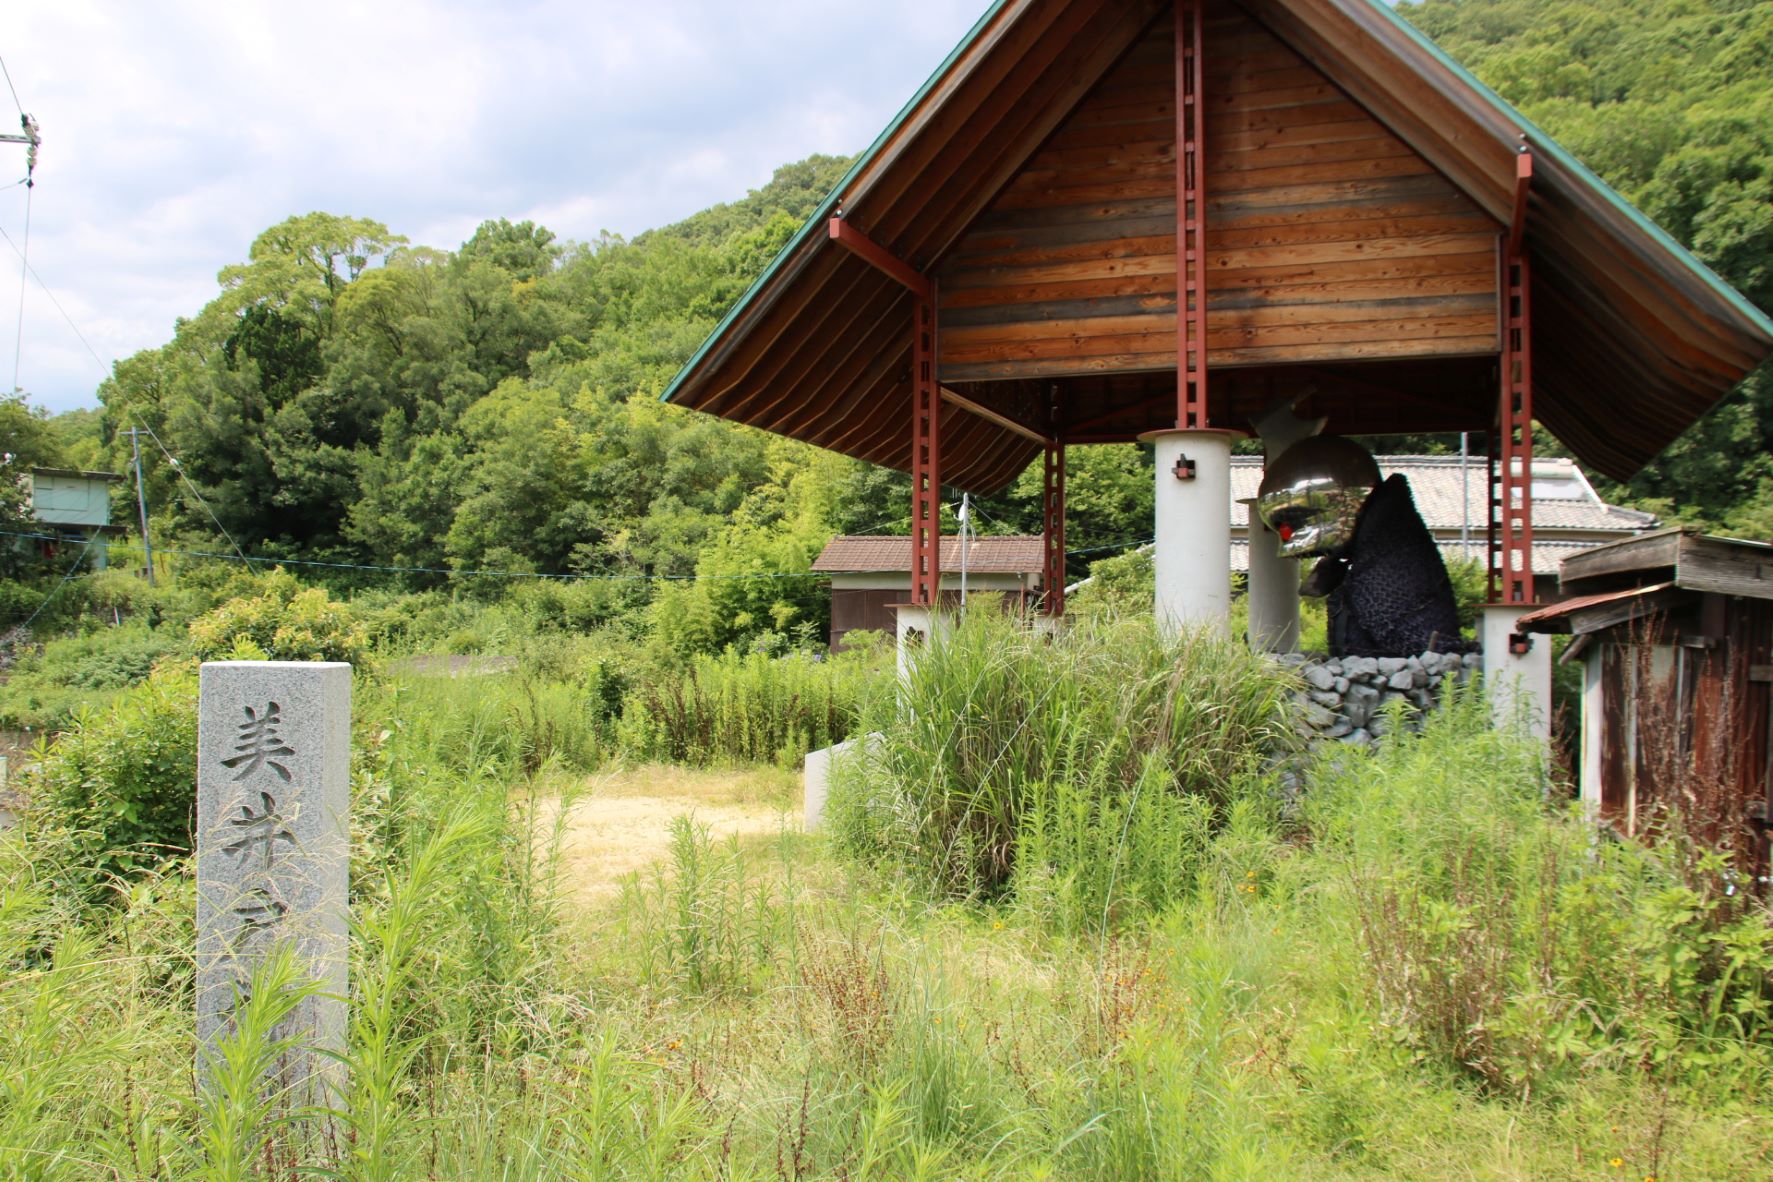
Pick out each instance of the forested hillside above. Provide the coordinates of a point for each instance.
(1671, 101)
(350, 397)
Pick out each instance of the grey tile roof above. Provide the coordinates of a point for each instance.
(1548, 556)
(1563, 500)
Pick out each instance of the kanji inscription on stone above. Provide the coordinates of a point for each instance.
(258, 743)
(273, 844)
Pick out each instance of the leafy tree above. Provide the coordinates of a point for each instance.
(1671, 101)
(28, 439)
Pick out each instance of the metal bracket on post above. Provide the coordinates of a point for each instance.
(1191, 219)
(1512, 497)
(926, 457)
(1053, 528)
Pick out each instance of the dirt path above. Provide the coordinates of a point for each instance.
(622, 823)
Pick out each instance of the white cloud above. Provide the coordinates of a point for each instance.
(174, 133)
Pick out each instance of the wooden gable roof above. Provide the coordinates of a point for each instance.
(1358, 181)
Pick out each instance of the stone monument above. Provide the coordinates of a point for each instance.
(273, 849)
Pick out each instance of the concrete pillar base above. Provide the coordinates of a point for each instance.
(1193, 552)
(916, 625)
(816, 784)
(1519, 683)
(1273, 592)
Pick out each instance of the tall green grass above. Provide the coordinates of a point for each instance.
(741, 708)
(1426, 972)
(1090, 769)
(1507, 941)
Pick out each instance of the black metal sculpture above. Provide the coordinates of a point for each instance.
(1387, 588)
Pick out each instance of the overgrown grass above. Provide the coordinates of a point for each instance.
(746, 708)
(1427, 972)
(1091, 769)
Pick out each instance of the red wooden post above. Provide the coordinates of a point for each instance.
(1053, 527)
(926, 457)
(1191, 217)
(1514, 483)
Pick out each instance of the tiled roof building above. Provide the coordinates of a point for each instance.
(1568, 515)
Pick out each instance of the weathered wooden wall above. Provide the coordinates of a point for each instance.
(1328, 238)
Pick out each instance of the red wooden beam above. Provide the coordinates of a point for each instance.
(1191, 213)
(880, 258)
(1511, 559)
(926, 457)
(1523, 181)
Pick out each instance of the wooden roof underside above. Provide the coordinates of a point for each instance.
(1633, 340)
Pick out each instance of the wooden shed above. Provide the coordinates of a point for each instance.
(1674, 632)
(869, 574)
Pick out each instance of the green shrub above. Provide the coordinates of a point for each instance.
(120, 596)
(46, 688)
(1503, 943)
(575, 606)
(745, 708)
(17, 602)
(116, 789)
(1091, 768)
(284, 621)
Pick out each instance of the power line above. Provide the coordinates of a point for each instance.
(53, 591)
(106, 369)
(1110, 546)
(262, 560)
(180, 469)
(11, 87)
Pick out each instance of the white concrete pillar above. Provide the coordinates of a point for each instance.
(816, 784)
(1519, 683)
(1594, 703)
(1273, 588)
(914, 626)
(1273, 592)
(1193, 551)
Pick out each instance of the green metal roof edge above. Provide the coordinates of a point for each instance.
(1582, 172)
(823, 212)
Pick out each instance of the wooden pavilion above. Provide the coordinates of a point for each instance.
(1107, 219)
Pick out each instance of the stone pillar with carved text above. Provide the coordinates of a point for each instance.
(273, 849)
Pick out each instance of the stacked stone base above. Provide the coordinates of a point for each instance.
(1346, 699)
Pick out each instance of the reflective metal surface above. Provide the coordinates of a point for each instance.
(1312, 493)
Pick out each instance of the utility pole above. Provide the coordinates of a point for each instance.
(966, 525)
(32, 140)
(141, 499)
(32, 137)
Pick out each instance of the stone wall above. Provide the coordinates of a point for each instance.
(1345, 697)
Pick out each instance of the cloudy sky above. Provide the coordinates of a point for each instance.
(174, 132)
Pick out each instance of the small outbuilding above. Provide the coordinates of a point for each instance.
(1674, 633)
(74, 506)
(869, 574)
